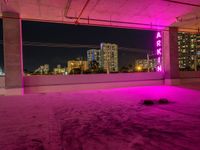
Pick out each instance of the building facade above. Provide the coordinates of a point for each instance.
(109, 57)
(43, 69)
(59, 70)
(145, 65)
(95, 55)
(74, 65)
(189, 51)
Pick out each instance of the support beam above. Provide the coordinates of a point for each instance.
(170, 54)
(12, 43)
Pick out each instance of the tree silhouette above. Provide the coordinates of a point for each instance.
(94, 66)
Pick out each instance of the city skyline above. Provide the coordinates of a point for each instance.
(36, 41)
(34, 56)
(101, 60)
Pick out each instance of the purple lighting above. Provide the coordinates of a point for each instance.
(159, 50)
(159, 68)
(158, 43)
(158, 35)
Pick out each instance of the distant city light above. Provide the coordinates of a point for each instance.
(139, 68)
(1, 72)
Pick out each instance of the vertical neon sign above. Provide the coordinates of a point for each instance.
(159, 51)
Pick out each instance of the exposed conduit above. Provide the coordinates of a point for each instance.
(67, 7)
(117, 22)
(121, 24)
(150, 25)
(182, 3)
(79, 16)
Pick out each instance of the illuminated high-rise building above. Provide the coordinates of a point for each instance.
(95, 55)
(109, 57)
(189, 51)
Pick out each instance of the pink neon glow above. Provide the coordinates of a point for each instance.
(159, 51)
(158, 35)
(158, 43)
(159, 68)
(159, 60)
(113, 119)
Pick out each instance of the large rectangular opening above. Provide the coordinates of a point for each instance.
(50, 49)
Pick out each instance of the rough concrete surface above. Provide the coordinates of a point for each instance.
(112, 119)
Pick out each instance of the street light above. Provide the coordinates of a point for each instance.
(138, 68)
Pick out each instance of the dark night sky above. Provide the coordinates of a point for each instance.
(76, 34)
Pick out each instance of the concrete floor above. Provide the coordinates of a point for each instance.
(111, 119)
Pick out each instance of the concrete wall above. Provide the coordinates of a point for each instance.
(190, 81)
(170, 53)
(12, 45)
(189, 74)
(2, 82)
(45, 80)
(90, 86)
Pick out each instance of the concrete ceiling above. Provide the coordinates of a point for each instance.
(143, 14)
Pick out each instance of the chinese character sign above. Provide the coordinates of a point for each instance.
(159, 51)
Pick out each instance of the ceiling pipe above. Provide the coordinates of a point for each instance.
(67, 7)
(117, 22)
(79, 16)
(182, 3)
(181, 19)
(113, 26)
(121, 24)
(102, 20)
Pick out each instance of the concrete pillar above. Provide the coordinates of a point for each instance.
(12, 44)
(170, 55)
